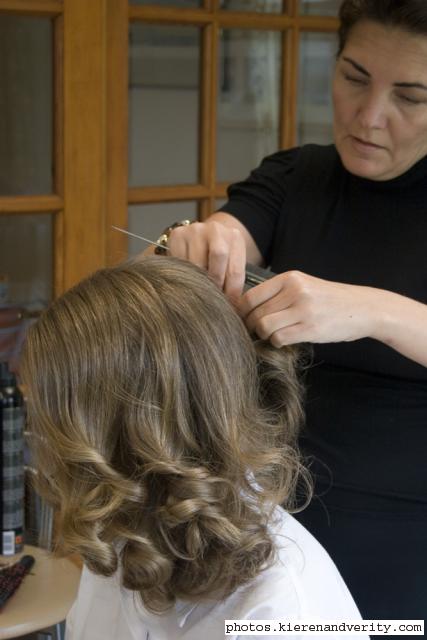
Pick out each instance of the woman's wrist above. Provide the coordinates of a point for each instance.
(403, 326)
(381, 319)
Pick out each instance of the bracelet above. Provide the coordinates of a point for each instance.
(163, 240)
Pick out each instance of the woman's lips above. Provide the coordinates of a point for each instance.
(362, 145)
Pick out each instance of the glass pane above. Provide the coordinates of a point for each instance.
(248, 100)
(25, 276)
(149, 220)
(163, 105)
(263, 6)
(317, 60)
(25, 105)
(219, 202)
(170, 3)
(319, 7)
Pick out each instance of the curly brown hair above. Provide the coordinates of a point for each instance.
(163, 435)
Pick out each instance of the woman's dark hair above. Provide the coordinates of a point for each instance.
(409, 15)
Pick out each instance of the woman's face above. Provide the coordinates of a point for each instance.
(380, 101)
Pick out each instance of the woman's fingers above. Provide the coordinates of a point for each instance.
(266, 326)
(235, 275)
(213, 246)
(178, 243)
(270, 296)
(189, 243)
(293, 334)
(218, 252)
(296, 307)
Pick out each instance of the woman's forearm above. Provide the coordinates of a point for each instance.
(296, 307)
(401, 323)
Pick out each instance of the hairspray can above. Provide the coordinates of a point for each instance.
(11, 463)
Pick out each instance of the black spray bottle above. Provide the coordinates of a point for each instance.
(11, 463)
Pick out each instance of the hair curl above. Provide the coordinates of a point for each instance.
(162, 433)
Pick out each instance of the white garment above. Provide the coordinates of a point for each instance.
(302, 584)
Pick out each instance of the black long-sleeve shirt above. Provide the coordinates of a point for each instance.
(366, 408)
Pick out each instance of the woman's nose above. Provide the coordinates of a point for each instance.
(372, 113)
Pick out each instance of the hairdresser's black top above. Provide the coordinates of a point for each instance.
(367, 404)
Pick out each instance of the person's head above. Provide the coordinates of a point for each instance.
(161, 432)
(380, 86)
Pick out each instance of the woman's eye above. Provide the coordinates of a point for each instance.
(354, 79)
(409, 100)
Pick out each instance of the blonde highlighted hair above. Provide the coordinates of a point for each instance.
(163, 435)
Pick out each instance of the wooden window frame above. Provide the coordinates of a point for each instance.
(90, 78)
(211, 19)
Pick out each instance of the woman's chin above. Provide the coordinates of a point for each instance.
(370, 168)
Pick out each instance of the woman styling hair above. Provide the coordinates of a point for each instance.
(345, 228)
(166, 439)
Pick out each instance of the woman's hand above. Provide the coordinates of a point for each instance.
(295, 307)
(222, 245)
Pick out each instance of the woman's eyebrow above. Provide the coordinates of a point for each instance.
(357, 66)
(404, 85)
(410, 85)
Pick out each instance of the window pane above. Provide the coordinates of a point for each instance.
(319, 7)
(219, 202)
(149, 220)
(248, 107)
(317, 59)
(263, 6)
(163, 105)
(25, 276)
(25, 105)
